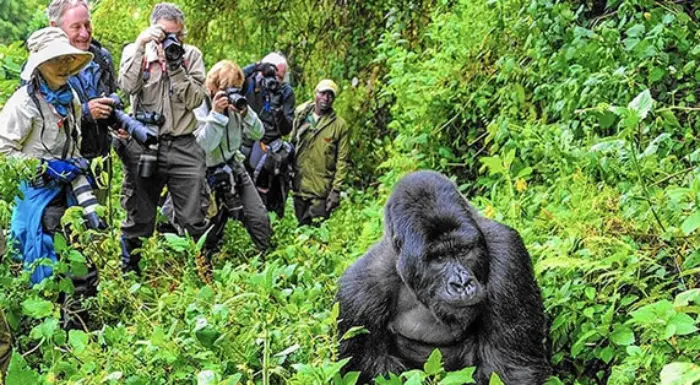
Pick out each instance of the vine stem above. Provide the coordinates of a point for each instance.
(647, 197)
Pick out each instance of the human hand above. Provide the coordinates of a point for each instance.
(242, 112)
(153, 33)
(220, 102)
(276, 100)
(100, 108)
(332, 201)
(122, 133)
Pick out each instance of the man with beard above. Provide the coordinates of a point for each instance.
(322, 143)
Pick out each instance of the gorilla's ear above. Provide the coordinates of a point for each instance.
(390, 231)
(396, 242)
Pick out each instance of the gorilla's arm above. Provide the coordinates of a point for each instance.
(512, 343)
(367, 298)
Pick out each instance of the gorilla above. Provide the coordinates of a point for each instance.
(443, 277)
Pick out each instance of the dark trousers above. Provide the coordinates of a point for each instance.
(306, 209)
(73, 316)
(254, 215)
(5, 345)
(180, 167)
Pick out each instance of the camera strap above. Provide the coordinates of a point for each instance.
(66, 123)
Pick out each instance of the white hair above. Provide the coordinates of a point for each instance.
(58, 7)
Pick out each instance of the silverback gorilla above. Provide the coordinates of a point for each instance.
(443, 277)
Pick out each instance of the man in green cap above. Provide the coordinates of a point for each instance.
(322, 143)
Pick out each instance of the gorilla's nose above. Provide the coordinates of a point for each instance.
(461, 284)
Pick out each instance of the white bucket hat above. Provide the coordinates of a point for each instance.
(49, 43)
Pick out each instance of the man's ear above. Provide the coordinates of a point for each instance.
(52, 23)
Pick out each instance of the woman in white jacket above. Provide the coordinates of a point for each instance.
(223, 120)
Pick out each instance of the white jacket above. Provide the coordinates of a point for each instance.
(220, 136)
(24, 134)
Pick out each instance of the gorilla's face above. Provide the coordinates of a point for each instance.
(457, 284)
(450, 273)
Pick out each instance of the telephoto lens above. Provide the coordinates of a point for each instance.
(86, 199)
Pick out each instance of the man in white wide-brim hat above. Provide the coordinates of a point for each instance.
(42, 120)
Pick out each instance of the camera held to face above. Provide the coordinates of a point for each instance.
(223, 182)
(236, 98)
(270, 80)
(172, 47)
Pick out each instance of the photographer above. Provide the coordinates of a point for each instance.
(223, 120)
(94, 82)
(164, 79)
(42, 121)
(272, 98)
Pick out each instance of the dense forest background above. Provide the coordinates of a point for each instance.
(575, 122)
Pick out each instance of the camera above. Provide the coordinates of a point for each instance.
(172, 48)
(223, 183)
(80, 185)
(270, 80)
(82, 190)
(236, 98)
(148, 161)
(142, 132)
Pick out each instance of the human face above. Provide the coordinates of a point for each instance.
(324, 101)
(281, 71)
(57, 71)
(77, 25)
(170, 26)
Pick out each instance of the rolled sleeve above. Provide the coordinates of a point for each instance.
(130, 76)
(188, 85)
(210, 128)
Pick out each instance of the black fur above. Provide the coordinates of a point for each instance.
(443, 276)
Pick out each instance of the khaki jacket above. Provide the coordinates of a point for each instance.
(23, 132)
(175, 94)
(322, 153)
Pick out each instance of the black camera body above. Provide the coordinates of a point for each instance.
(223, 182)
(270, 80)
(172, 47)
(236, 98)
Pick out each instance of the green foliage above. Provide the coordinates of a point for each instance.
(579, 131)
(19, 18)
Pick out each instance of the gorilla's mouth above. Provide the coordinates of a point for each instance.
(470, 295)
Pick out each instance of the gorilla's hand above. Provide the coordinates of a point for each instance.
(332, 201)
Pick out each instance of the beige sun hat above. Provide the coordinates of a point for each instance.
(327, 85)
(49, 43)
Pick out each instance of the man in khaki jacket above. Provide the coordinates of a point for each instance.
(322, 145)
(163, 77)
